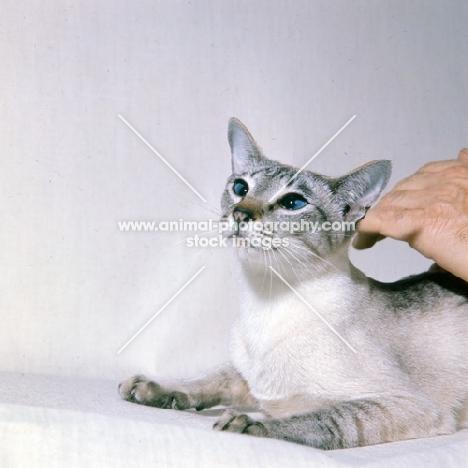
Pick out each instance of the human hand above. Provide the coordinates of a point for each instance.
(429, 210)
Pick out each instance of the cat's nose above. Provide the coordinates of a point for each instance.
(242, 215)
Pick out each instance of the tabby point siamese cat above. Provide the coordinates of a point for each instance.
(383, 361)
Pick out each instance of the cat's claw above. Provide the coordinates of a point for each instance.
(233, 421)
(140, 390)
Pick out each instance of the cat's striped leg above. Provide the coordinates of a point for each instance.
(348, 424)
(223, 387)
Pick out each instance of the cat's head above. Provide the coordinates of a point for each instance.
(300, 221)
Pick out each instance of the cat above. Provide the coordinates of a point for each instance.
(334, 359)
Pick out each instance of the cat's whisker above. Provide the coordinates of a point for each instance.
(212, 210)
(215, 211)
(275, 257)
(304, 265)
(281, 265)
(312, 268)
(249, 258)
(309, 251)
(188, 237)
(259, 266)
(271, 274)
(303, 255)
(292, 267)
(265, 268)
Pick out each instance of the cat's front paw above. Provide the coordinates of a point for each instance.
(140, 390)
(233, 421)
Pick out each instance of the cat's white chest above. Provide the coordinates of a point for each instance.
(280, 347)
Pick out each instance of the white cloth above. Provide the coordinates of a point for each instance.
(53, 422)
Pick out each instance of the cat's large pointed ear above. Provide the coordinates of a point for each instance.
(358, 190)
(245, 152)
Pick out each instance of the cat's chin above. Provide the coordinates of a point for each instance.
(252, 257)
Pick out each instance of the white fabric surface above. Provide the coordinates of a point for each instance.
(52, 422)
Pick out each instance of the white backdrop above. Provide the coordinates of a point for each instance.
(75, 288)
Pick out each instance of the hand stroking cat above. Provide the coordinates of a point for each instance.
(378, 362)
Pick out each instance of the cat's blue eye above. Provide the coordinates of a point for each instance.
(293, 201)
(240, 187)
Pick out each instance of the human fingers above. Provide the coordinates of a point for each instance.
(365, 240)
(435, 201)
(455, 173)
(463, 155)
(398, 222)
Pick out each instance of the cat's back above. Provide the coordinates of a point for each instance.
(427, 324)
(424, 307)
(419, 293)
(431, 298)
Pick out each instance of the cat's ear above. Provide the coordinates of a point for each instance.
(245, 152)
(358, 190)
